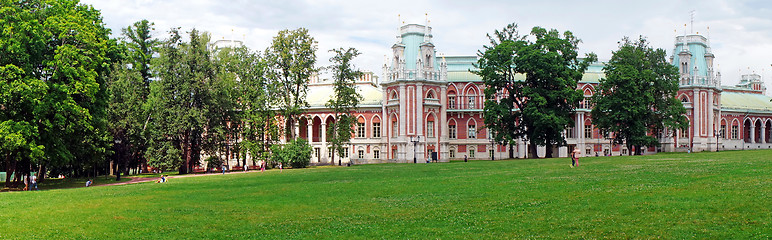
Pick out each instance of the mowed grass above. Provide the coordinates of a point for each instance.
(723, 195)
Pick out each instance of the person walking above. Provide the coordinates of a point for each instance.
(262, 166)
(34, 182)
(222, 166)
(281, 169)
(575, 157)
(26, 183)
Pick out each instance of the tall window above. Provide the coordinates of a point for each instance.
(393, 153)
(452, 153)
(376, 130)
(317, 154)
(360, 130)
(470, 103)
(452, 131)
(452, 102)
(570, 132)
(722, 132)
(430, 129)
(361, 154)
(472, 131)
(394, 129)
(735, 131)
(490, 153)
(376, 154)
(344, 154)
(471, 153)
(587, 131)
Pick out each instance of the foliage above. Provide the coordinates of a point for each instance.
(673, 195)
(55, 58)
(180, 101)
(540, 106)
(290, 61)
(256, 96)
(344, 99)
(636, 100)
(213, 162)
(296, 153)
(128, 89)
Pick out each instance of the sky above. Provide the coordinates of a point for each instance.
(740, 30)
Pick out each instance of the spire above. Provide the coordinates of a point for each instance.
(427, 32)
(399, 31)
(709, 50)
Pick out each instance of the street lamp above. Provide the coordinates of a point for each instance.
(415, 147)
(716, 133)
(493, 151)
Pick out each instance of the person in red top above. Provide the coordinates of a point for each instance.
(575, 157)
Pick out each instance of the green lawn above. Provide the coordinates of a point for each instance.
(722, 195)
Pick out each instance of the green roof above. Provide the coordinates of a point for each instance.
(745, 102)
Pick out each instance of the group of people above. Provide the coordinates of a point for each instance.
(575, 157)
(30, 180)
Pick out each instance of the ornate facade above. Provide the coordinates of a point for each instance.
(429, 107)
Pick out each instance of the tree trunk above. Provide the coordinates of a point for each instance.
(548, 153)
(532, 151)
(41, 173)
(511, 151)
(10, 167)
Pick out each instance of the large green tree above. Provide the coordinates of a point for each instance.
(637, 99)
(344, 99)
(56, 55)
(291, 58)
(180, 101)
(129, 88)
(539, 106)
(256, 97)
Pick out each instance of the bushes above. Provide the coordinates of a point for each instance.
(296, 153)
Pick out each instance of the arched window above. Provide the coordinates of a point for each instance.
(360, 127)
(430, 94)
(452, 129)
(430, 126)
(451, 99)
(376, 127)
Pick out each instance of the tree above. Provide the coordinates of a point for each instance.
(55, 58)
(538, 107)
(141, 46)
(180, 101)
(128, 88)
(291, 58)
(637, 99)
(256, 97)
(344, 99)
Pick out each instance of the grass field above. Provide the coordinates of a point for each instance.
(722, 195)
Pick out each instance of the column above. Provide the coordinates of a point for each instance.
(753, 132)
(696, 115)
(402, 110)
(310, 131)
(323, 151)
(443, 124)
(419, 108)
(763, 134)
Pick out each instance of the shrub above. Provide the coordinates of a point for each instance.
(296, 153)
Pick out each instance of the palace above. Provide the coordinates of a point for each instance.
(429, 107)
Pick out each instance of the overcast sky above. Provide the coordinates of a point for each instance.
(740, 31)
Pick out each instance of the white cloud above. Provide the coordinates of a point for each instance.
(740, 30)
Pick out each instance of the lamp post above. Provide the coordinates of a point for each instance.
(415, 147)
(716, 133)
(493, 151)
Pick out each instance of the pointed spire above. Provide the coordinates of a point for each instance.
(399, 26)
(427, 32)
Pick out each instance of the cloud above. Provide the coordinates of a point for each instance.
(740, 30)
